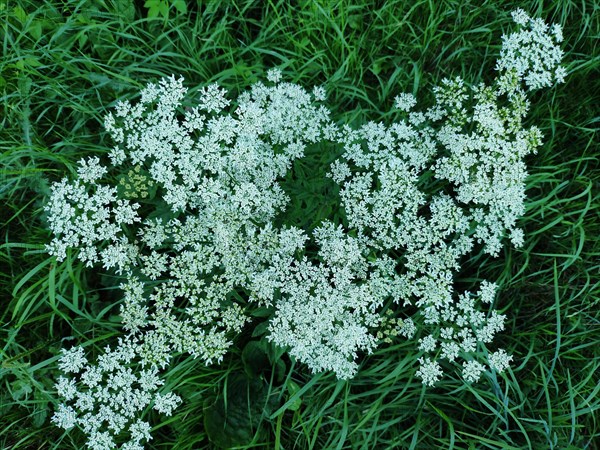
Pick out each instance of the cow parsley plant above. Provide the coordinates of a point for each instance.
(187, 208)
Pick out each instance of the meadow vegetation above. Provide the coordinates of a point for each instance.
(65, 64)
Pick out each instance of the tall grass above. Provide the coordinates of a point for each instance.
(65, 63)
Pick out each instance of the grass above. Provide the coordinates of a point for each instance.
(64, 64)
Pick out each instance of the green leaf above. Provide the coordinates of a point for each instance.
(20, 14)
(5, 404)
(263, 358)
(163, 8)
(355, 21)
(40, 414)
(82, 325)
(35, 29)
(82, 40)
(255, 358)
(376, 68)
(232, 418)
(40, 410)
(260, 329)
(20, 389)
(274, 352)
(293, 389)
(262, 312)
(125, 9)
(153, 8)
(180, 6)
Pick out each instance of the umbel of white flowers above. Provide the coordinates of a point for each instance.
(186, 211)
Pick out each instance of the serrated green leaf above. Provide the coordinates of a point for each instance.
(152, 6)
(20, 389)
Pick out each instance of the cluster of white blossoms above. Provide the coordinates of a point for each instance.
(105, 400)
(190, 208)
(533, 55)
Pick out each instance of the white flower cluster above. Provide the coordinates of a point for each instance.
(85, 214)
(533, 55)
(105, 400)
(329, 309)
(472, 139)
(206, 181)
(203, 245)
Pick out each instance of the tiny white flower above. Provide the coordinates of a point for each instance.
(212, 98)
(165, 404)
(66, 388)
(407, 328)
(430, 371)
(472, 371)
(319, 93)
(72, 360)
(427, 344)
(520, 16)
(274, 75)
(499, 360)
(487, 291)
(90, 170)
(560, 74)
(558, 33)
(140, 430)
(65, 417)
(450, 350)
(405, 101)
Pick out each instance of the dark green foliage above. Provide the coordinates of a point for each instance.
(63, 64)
(233, 417)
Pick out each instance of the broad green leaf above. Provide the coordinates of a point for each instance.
(180, 6)
(35, 29)
(255, 358)
(20, 14)
(262, 312)
(293, 389)
(260, 329)
(263, 358)
(40, 410)
(152, 6)
(163, 8)
(233, 417)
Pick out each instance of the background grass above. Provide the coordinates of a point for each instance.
(63, 65)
